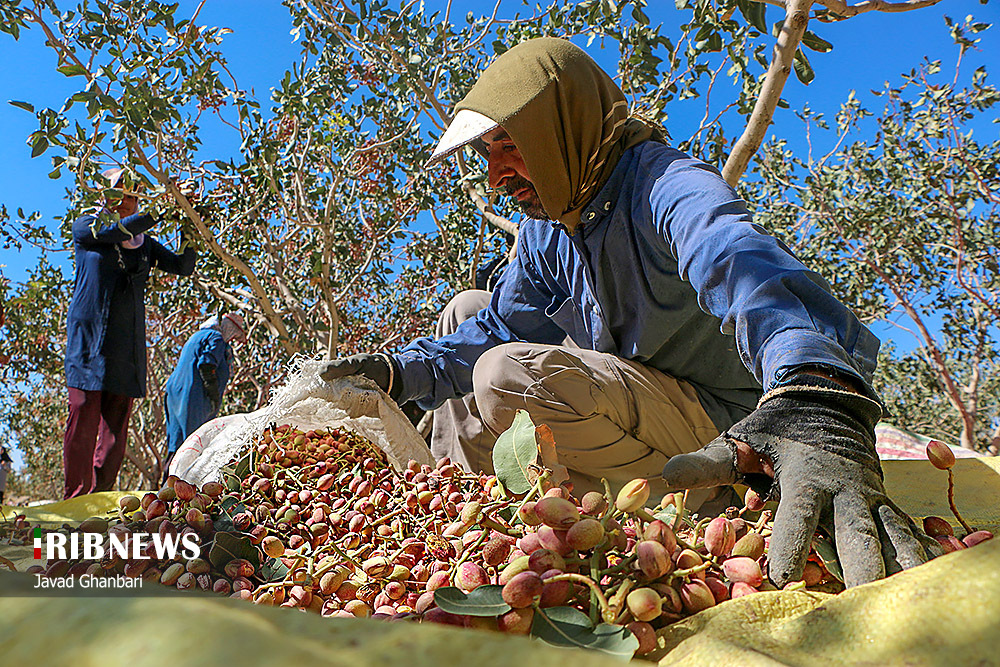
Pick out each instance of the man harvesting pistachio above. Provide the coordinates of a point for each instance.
(690, 321)
(193, 392)
(106, 331)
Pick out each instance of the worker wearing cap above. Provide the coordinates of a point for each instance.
(106, 331)
(690, 322)
(194, 390)
(6, 464)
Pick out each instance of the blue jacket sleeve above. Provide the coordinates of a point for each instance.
(108, 229)
(166, 260)
(783, 315)
(432, 371)
(212, 351)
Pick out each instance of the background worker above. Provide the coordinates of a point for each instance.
(106, 331)
(6, 464)
(194, 390)
(691, 322)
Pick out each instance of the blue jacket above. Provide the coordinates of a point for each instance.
(106, 325)
(187, 401)
(668, 270)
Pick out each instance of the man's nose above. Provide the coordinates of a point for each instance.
(498, 169)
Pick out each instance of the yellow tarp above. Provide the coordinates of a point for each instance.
(74, 509)
(922, 490)
(946, 612)
(191, 629)
(56, 514)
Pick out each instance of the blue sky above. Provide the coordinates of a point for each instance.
(868, 50)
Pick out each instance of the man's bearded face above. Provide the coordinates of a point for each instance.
(527, 197)
(507, 170)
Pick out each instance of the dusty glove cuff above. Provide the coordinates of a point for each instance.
(813, 384)
(808, 409)
(392, 374)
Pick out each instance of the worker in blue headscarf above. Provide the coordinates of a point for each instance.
(194, 390)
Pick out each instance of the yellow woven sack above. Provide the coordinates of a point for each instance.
(942, 613)
(194, 629)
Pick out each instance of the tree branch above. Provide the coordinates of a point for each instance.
(258, 289)
(796, 20)
(845, 11)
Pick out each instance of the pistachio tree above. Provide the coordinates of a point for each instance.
(902, 212)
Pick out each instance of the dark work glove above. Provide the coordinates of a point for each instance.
(379, 368)
(186, 240)
(166, 466)
(819, 439)
(210, 381)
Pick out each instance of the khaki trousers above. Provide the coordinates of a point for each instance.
(610, 417)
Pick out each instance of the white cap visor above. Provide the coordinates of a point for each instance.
(466, 126)
(114, 176)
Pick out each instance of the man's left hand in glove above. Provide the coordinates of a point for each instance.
(380, 368)
(210, 381)
(810, 445)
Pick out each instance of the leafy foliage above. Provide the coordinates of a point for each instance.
(904, 226)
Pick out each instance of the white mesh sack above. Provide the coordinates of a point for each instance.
(306, 402)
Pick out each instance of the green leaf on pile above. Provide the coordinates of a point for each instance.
(228, 546)
(667, 515)
(481, 601)
(231, 506)
(273, 570)
(243, 465)
(228, 508)
(228, 476)
(514, 452)
(567, 627)
(827, 552)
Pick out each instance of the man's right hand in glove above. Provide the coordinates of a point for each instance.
(810, 445)
(379, 368)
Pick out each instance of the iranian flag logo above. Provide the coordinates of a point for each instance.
(38, 543)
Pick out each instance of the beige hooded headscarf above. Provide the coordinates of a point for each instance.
(566, 116)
